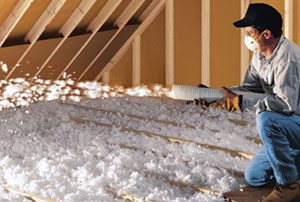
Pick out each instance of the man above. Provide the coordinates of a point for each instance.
(274, 70)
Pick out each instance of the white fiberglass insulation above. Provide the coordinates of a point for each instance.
(65, 152)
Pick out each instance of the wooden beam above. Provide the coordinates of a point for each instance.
(159, 5)
(12, 20)
(205, 49)
(76, 17)
(237, 122)
(288, 19)
(148, 10)
(171, 139)
(169, 43)
(128, 12)
(47, 16)
(94, 26)
(29, 196)
(105, 77)
(120, 23)
(136, 61)
(245, 57)
(68, 28)
(39, 27)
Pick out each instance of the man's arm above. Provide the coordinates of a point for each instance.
(251, 82)
(286, 90)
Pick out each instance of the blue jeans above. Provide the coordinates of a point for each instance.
(276, 159)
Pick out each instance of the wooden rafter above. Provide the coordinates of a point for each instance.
(205, 50)
(68, 28)
(136, 61)
(169, 43)
(148, 10)
(128, 13)
(13, 19)
(156, 8)
(47, 16)
(94, 26)
(120, 23)
(39, 27)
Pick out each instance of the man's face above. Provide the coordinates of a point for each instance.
(258, 37)
(250, 31)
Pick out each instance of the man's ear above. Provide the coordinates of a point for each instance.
(267, 34)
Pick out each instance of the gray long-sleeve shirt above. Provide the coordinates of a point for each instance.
(278, 76)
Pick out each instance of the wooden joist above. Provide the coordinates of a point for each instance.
(125, 195)
(29, 196)
(173, 123)
(238, 174)
(182, 184)
(232, 152)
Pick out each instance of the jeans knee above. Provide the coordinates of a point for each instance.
(252, 178)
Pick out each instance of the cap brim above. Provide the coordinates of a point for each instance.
(242, 23)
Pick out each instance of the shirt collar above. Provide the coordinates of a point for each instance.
(269, 59)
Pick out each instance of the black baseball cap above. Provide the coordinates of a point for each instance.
(261, 16)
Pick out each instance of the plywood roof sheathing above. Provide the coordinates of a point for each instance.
(156, 9)
(68, 27)
(39, 27)
(94, 26)
(120, 23)
(13, 19)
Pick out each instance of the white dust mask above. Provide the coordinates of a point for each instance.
(251, 43)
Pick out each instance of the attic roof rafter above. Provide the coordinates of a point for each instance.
(13, 19)
(156, 7)
(39, 27)
(122, 20)
(94, 26)
(69, 27)
(47, 16)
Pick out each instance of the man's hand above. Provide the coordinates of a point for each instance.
(230, 101)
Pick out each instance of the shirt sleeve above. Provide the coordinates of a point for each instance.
(285, 91)
(251, 82)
